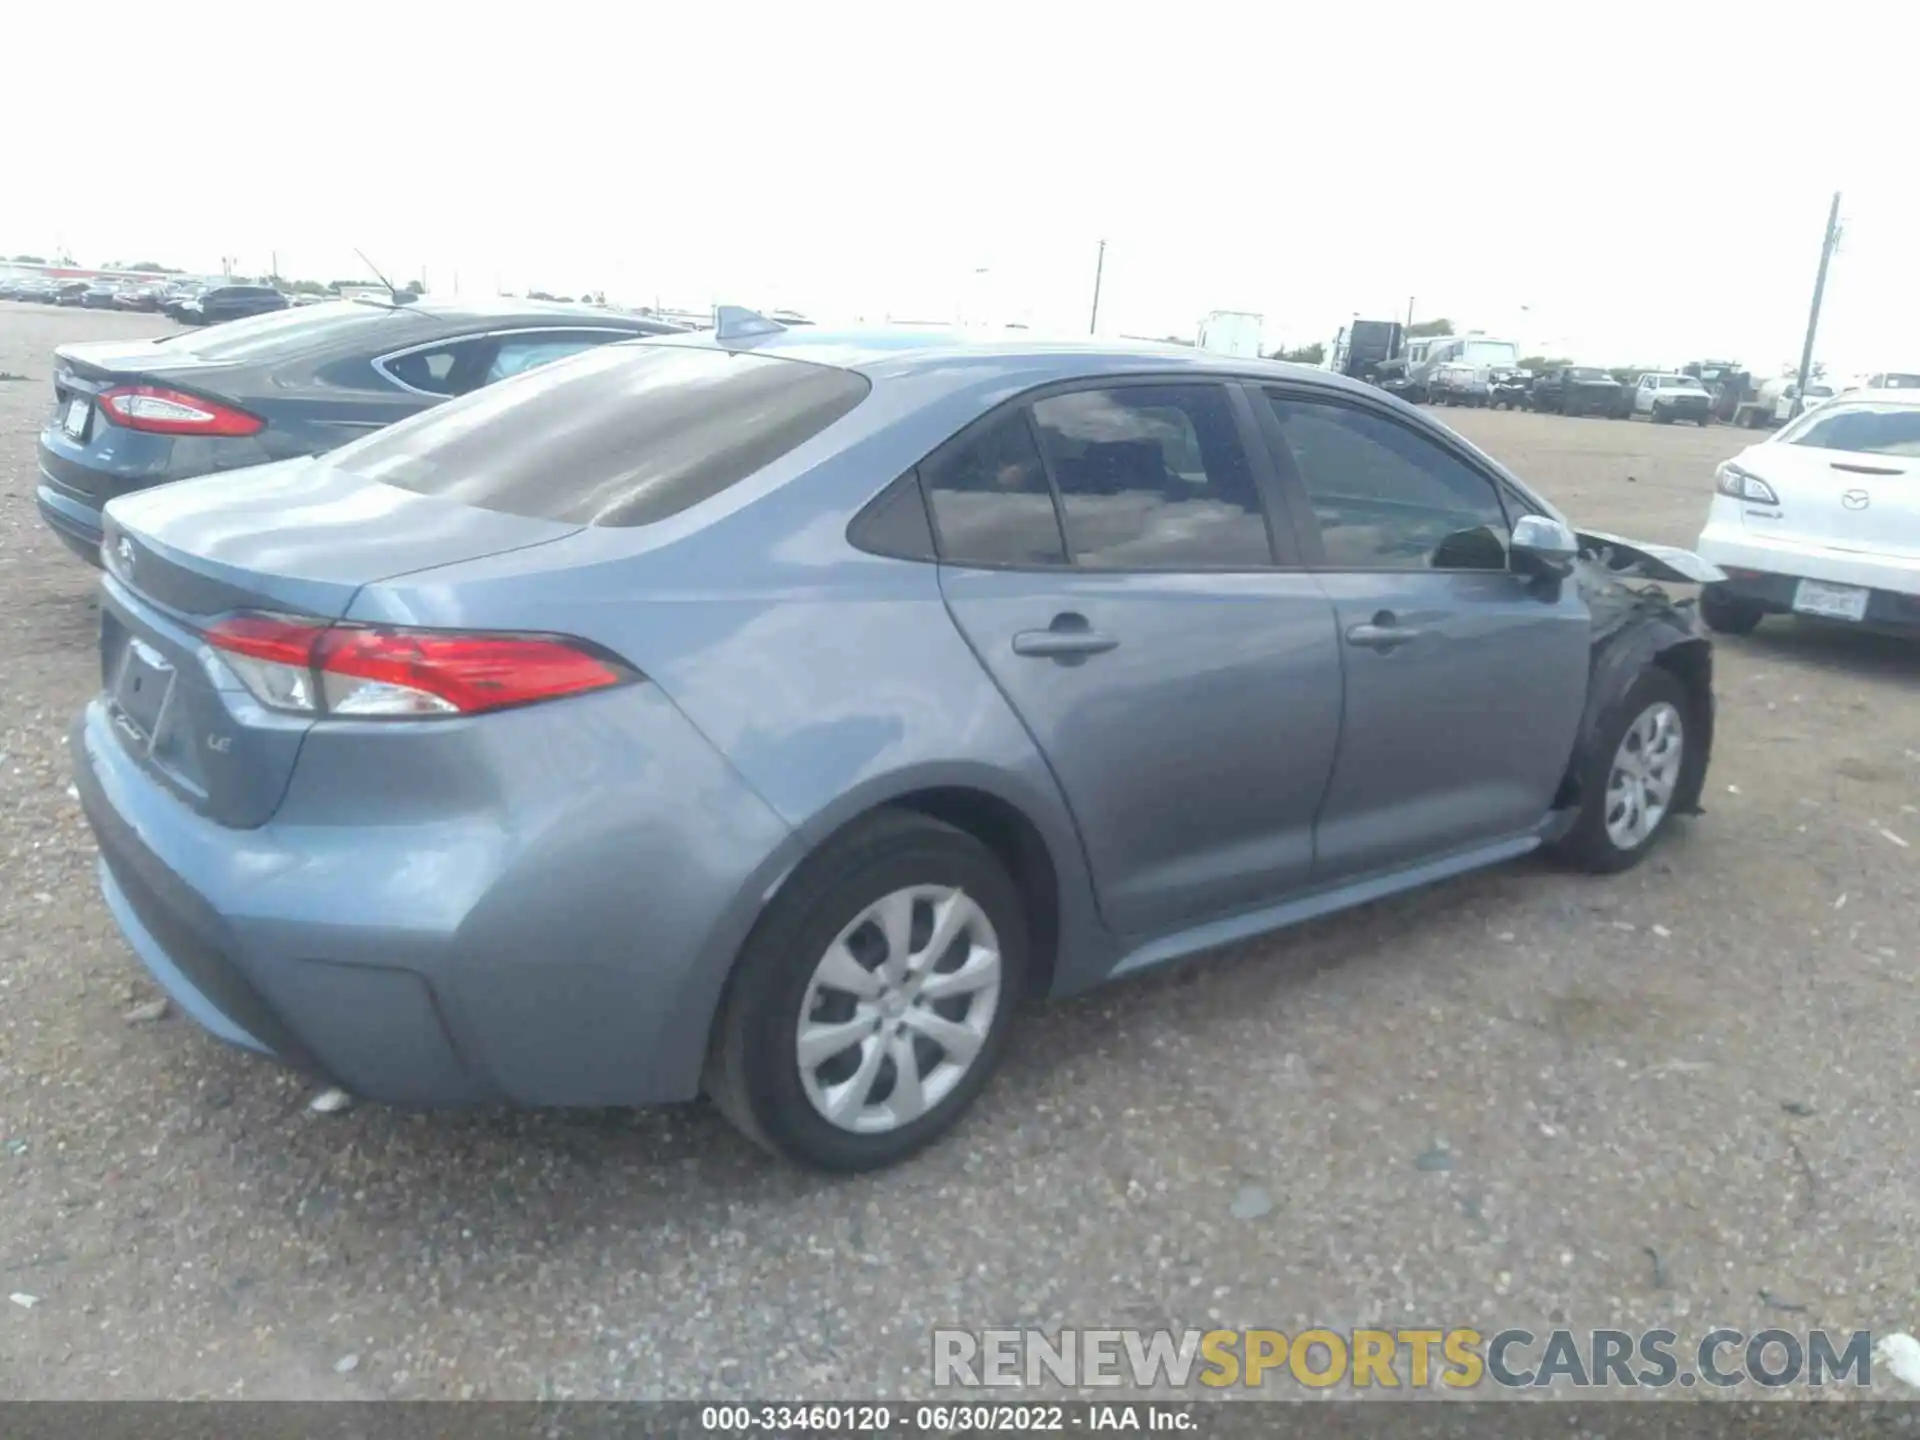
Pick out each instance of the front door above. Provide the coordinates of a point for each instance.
(1108, 556)
(1464, 684)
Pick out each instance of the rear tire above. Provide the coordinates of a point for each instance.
(793, 972)
(1729, 614)
(1624, 814)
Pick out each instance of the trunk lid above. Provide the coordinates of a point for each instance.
(1864, 503)
(1848, 477)
(296, 538)
(91, 366)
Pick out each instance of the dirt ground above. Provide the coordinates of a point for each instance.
(1685, 1096)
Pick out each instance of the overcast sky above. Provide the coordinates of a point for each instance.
(1650, 182)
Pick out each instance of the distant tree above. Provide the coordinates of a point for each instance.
(414, 287)
(303, 287)
(157, 269)
(1314, 354)
(1430, 327)
(540, 295)
(1540, 364)
(29, 260)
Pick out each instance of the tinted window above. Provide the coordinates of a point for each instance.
(624, 435)
(1153, 477)
(895, 523)
(433, 370)
(515, 353)
(1387, 497)
(1861, 429)
(991, 504)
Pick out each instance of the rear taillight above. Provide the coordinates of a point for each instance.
(174, 412)
(1730, 479)
(311, 668)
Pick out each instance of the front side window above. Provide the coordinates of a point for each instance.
(1388, 498)
(990, 498)
(1153, 477)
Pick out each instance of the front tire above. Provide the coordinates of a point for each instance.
(1638, 766)
(1729, 614)
(872, 1002)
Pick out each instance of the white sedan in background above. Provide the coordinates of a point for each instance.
(1822, 518)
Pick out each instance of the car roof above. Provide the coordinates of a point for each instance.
(506, 308)
(884, 353)
(1864, 396)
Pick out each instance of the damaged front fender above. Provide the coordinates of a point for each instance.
(1634, 627)
(1640, 559)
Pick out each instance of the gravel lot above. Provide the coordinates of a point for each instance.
(1713, 1059)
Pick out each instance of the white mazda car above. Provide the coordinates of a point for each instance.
(1821, 518)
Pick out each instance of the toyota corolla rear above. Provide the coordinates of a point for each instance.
(1824, 517)
(382, 788)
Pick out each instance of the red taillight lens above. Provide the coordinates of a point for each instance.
(347, 670)
(160, 411)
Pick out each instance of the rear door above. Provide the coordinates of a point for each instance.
(1848, 477)
(1464, 684)
(1107, 554)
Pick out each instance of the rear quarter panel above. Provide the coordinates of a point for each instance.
(832, 681)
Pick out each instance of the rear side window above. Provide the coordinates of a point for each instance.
(625, 435)
(1862, 430)
(1153, 477)
(430, 371)
(990, 498)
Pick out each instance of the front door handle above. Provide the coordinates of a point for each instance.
(1067, 638)
(1383, 632)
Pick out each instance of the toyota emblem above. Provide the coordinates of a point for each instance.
(1856, 499)
(124, 550)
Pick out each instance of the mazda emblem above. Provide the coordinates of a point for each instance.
(1856, 499)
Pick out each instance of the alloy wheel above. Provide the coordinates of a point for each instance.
(898, 1008)
(1644, 775)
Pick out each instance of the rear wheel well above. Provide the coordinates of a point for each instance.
(1017, 844)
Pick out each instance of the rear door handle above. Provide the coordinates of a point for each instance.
(1381, 633)
(1068, 637)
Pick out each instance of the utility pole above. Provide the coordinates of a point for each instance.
(273, 263)
(1827, 245)
(1099, 265)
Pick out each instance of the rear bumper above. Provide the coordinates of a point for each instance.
(1734, 548)
(1886, 609)
(562, 938)
(74, 521)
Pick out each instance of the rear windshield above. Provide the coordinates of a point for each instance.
(626, 434)
(308, 326)
(1861, 429)
(1900, 382)
(1587, 372)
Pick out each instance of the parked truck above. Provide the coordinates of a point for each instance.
(1360, 349)
(1232, 332)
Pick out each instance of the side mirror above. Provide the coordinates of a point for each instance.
(1543, 547)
